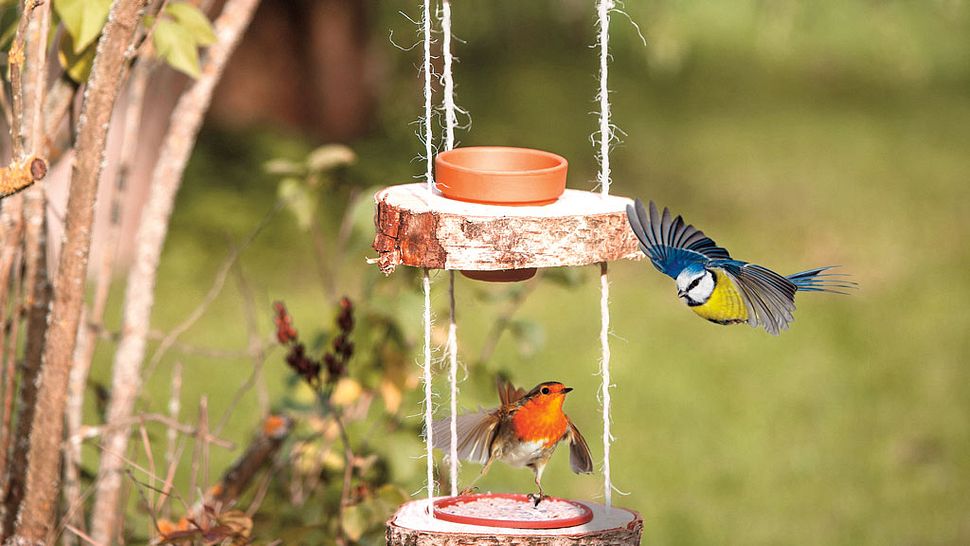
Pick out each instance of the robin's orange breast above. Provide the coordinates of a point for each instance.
(540, 420)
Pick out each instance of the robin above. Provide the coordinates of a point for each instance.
(523, 431)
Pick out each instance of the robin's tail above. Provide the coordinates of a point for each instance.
(818, 280)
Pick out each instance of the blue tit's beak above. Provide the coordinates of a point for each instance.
(567, 389)
(681, 293)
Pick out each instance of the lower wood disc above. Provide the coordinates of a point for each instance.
(514, 511)
(414, 525)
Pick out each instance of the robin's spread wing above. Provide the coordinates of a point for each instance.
(579, 457)
(508, 393)
(769, 297)
(476, 431)
(671, 243)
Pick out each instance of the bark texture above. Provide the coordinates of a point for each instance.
(35, 520)
(422, 230)
(186, 120)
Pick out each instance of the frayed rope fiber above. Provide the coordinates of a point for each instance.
(428, 409)
(603, 8)
(451, 119)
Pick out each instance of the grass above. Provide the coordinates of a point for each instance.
(851, 428)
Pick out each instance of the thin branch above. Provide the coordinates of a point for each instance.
(266, 443)
(90, 431)
(217, 284)
(257, 352)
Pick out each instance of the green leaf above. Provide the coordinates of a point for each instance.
(77, 65)
(355, 521)
(192, 19)
(298, 200)
(330, 156)
(176, 45)
(83, 19)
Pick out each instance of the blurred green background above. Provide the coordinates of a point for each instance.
(796, 134)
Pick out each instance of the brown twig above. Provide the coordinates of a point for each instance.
(257, 352)
(273, 432)
(200, 452)
(88, 432)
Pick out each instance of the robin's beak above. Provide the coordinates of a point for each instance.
(567, 389)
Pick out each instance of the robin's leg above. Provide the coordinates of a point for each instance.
(537, 498)
(471, 487)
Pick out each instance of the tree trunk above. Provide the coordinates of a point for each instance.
(139, 294)
(35, 520)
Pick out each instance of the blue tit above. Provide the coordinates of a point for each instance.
(715, 286)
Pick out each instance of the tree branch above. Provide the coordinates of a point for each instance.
(139, 295)
(108, 72)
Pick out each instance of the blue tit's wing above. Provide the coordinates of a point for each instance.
(671, 243)
(769, 297)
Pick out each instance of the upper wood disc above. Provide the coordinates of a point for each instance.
(422, 229)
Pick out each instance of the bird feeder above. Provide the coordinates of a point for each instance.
(498, 214)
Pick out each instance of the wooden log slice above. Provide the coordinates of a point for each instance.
(422, 229)
(412, 526)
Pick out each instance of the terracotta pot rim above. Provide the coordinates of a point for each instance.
(561, 162)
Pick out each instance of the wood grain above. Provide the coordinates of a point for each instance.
(420, 229)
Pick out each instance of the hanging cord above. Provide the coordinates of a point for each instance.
(453, 379)
(428, 148)
(606, 129)
(605, 372)
(452, 346)
(606, 136)
(451, 116)
(428, 410)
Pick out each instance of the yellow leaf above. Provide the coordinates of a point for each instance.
(345, 392)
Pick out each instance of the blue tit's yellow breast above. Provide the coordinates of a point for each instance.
(726, 305)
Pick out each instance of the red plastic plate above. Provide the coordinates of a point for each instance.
(584, 516)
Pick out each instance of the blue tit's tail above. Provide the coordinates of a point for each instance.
(817, 280)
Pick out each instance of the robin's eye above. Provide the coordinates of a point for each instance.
(544, 390)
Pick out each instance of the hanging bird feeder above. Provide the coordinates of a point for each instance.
(498, 214)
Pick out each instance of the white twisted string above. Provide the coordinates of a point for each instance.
(606, 136)
(606, 129)
(428, 145)
(605, 372)
(453, 380)
(428, 409)
(451, 120)
(451, 115)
